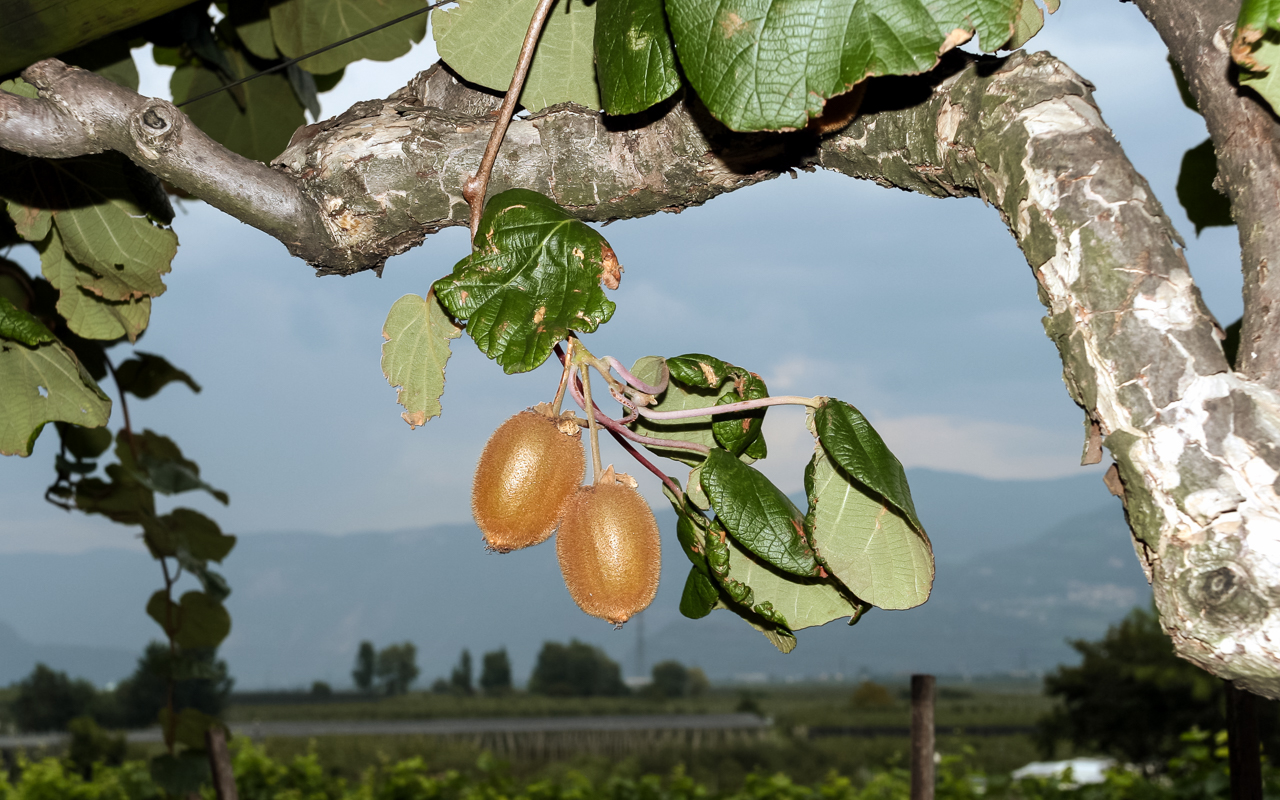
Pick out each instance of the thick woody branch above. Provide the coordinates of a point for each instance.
(1197, 447)
(80, 113)
(1246, 137)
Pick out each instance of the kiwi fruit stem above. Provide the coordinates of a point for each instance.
(591, 423)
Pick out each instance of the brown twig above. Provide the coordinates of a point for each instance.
(475, 187)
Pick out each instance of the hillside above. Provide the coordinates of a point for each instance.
(1022, 565)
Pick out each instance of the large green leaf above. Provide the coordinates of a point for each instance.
(122, 500)
(180, 775)
(256, 121)
(196, 621)
(853, 444)
(417, 333)
(796, 602)
(757, 513)
(1028, 22)
(145, 374)
(700, 595)
(189, 531)
(677, 397)
(481, 39)
(698, 370)
(534, 277)
(160, 465)
(1204, 204)
(865, 542)
(770, 64)
(635, 58)
(88, 314)
(40, 384)
(301, 26)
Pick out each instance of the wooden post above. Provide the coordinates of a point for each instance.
(1243, 752)
(224, 780)
(922, 730)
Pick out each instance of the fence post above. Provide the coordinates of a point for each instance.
(922, 735)
(1243, 752)
(224, 780)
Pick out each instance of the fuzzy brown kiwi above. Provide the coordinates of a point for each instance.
(609, 550)
(528, 471)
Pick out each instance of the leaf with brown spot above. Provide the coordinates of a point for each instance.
(417, 333)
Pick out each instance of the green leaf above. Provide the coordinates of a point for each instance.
(185, 530)
(766, 65)
(196, 621)
(737, 432)
(304, 88)
(251, 20)
(700, 595)
(864, 542)
(1204, 204)
(1028, 22)
(19, 87)
(535, 277)
(676, 397)
(88, 314)
(481, 39)
(160, 465)
(694, 490)
(180, 775)
(698, 370)
(107, 229)
(145, 374)
(41, 384)
(190, 727)
(793, 602)
(301, 26)
(20, 326)
(757, 513)
(257, 127)
(122, 499)
(84, 443)
(635, 57)
(856, 447)
(414, 355)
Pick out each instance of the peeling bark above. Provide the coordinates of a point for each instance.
(1246, 138)
(1196, 446)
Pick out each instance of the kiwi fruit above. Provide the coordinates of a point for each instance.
(609, 550)
(530, 468)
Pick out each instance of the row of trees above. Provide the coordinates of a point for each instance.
(575, 669)
(48, 700)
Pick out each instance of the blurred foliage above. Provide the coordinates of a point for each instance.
(575, 670)
(495, 672)
(1197, 772)
(1132, 697)
(47, 700)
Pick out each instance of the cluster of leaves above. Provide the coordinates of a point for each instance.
(1198, 773)
(754, 67)
(1256, 48)
(858, 544)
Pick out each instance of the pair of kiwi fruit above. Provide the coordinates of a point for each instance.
(529, 482)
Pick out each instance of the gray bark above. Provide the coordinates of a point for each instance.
(1195, 445)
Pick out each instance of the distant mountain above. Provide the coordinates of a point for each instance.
(1022, 565)
(97, 664)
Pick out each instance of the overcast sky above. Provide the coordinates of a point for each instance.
(921, 312)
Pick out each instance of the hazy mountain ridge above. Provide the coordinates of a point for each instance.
(1022, 565)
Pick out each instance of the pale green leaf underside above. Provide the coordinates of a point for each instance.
(865, 543)
(44, 384)
(86, 313)
(418, 332)
(301, 26)
(481, 40)
(770, 64)
(804, 604)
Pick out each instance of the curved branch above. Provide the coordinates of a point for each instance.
(80, 113)
(1197, 447)
(1246, 137)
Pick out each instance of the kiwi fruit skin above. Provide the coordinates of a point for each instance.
(609, 550)
(528, 471)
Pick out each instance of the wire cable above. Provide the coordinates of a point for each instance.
(290, 62)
